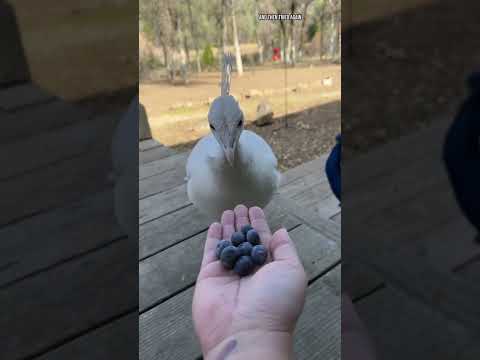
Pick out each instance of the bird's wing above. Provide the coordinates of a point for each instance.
(261, 155)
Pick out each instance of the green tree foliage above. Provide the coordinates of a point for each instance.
(312, 30)
(208, 59)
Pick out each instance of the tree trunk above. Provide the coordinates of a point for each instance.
(322, 36)
(257, 38)
(291, 35)
(194, 36)
(238, 55)
(302, 29)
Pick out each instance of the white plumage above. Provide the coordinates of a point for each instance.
(231, 166)
(214, 185)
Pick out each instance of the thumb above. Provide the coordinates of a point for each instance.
(282, 247)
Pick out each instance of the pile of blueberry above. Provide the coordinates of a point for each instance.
(242, 252)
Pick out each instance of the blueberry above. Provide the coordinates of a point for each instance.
(238, 238)
(228, 256)
(222, 244)
(245, 248)
(244, 266)
(246, 229)
(252, 237)
(259, 254)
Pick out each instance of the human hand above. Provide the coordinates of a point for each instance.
(255, 315)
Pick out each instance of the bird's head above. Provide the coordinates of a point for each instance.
(226, 124)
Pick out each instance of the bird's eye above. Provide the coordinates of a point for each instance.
(212, 127)
(240, 123)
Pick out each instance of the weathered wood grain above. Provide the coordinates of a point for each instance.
(313, 166)
(403, 328)
(318, 331)
(55, 185)
(337, 218)
(158, 205)
(115, 340)
(390, 157)
(167, 230)
(95, 288)
(144, 157)
(165, 174)
(162, 166)
(450, 244)
(31, 121)
(44, 240)
(145, 145)
(23, 95)
(50, 147)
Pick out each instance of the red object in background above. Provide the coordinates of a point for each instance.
(276, 54)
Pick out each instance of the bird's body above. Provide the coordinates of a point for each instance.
(230, 166)
(214, 185)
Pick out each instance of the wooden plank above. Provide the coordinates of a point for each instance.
(144, 157)
(396, 187)
(318, 331)
(34, 120)
(168, 230)
(162, 166)
(456, 298)
(47, 148)
(55, 185)
(359, 280)
(337, 217)
(95, 289)
(158, 205)
(310, 186)
(166, 331)
(23, 95)
(62, 233)
(148, 144)
(316, 166)
(177, 267)
(157, 184)
(115, 340)
(450, 244)
(392, 156)
(403, 328)
(162, 175)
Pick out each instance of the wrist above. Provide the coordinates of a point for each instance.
(253, 344)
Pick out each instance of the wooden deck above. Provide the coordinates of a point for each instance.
(66, 269)
(409, 255)
(171, 227)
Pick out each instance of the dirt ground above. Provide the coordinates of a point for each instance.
(404, 72)
(310, 96)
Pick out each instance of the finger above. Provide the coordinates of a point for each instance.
(241, 217)
(228, 224)
(214, 235)
(282, 247)
(259, 223)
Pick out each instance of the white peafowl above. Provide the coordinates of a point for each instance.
(231, 165)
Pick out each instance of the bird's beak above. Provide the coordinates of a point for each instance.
(230, 155)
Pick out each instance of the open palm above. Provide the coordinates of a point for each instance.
(269, 300)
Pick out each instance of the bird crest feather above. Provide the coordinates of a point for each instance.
(226, 74)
